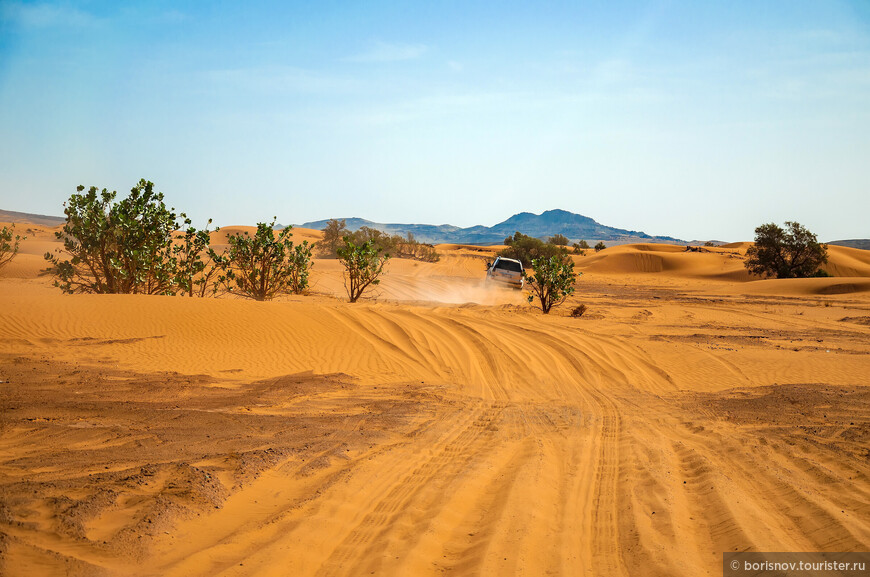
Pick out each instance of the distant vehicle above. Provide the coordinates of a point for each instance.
(506, 271)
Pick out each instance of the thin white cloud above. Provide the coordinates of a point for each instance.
(45, 15)
(389, 52)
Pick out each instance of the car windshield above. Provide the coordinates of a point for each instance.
(509, 265)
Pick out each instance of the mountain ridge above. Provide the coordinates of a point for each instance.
(574, 226)
(524, 222)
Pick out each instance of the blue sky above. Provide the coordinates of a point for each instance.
(693, 119)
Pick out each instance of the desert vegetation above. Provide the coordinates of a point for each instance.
(117, 247)
(264, 265)
(396, 245)
(579, 311)
(526, 248)
(9, 244)
(552, 281)
(197, 265)
(558, 240)
(137, 245)
(186, 436)
(790, 252)
(580, 247)
(363, 265)
(333, 238)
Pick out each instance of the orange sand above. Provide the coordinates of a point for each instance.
(437, 426)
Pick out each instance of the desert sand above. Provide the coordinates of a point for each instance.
(436, 426)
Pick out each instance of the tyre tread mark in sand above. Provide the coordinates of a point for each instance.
(368, 538)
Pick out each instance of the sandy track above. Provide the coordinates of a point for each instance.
(167, 436)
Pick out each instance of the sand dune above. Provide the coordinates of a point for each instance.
(668, 259)
(722, 263)
(299, 234)
(437, 426)
(809, 286)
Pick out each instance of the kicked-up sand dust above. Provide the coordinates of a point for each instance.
(437, 426)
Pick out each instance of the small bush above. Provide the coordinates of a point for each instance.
(197, 265)
(9, 242)
(410, 247)
(579, 311)
(822, 273)
(552, 281)
(526, 248)
(396, 245)
(558, 240)
(363, 265)
(600, 246)
(334, 231)
(262, 266)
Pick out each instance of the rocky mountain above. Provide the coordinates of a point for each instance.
(574, 226)
(26, 217)
(862, 243)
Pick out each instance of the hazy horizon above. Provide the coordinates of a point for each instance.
(672, 118)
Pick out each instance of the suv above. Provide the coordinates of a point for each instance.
(505, 270)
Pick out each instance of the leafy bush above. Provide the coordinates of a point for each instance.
(397, 245)
(409, 247)
(526, 248)
(558, 240)
(425, 252)
(552, 281)
(197, 265)
(300, 267)
(600, 246)
(9, 243)
(116, 247)
(793, 252)
(333, 232)
(579, 249)
(265, 265)
(363, 265)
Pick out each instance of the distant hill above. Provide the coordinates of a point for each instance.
(40, 219)
(574, 226)
(862, 243)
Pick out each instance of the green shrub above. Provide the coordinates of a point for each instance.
(552, 281)
(9, 243)
(116, 247)
(396, 245)
(527, 248)
(197, 265)
(363, 263)
(333, 232)
(793, 252)
(265, 265)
